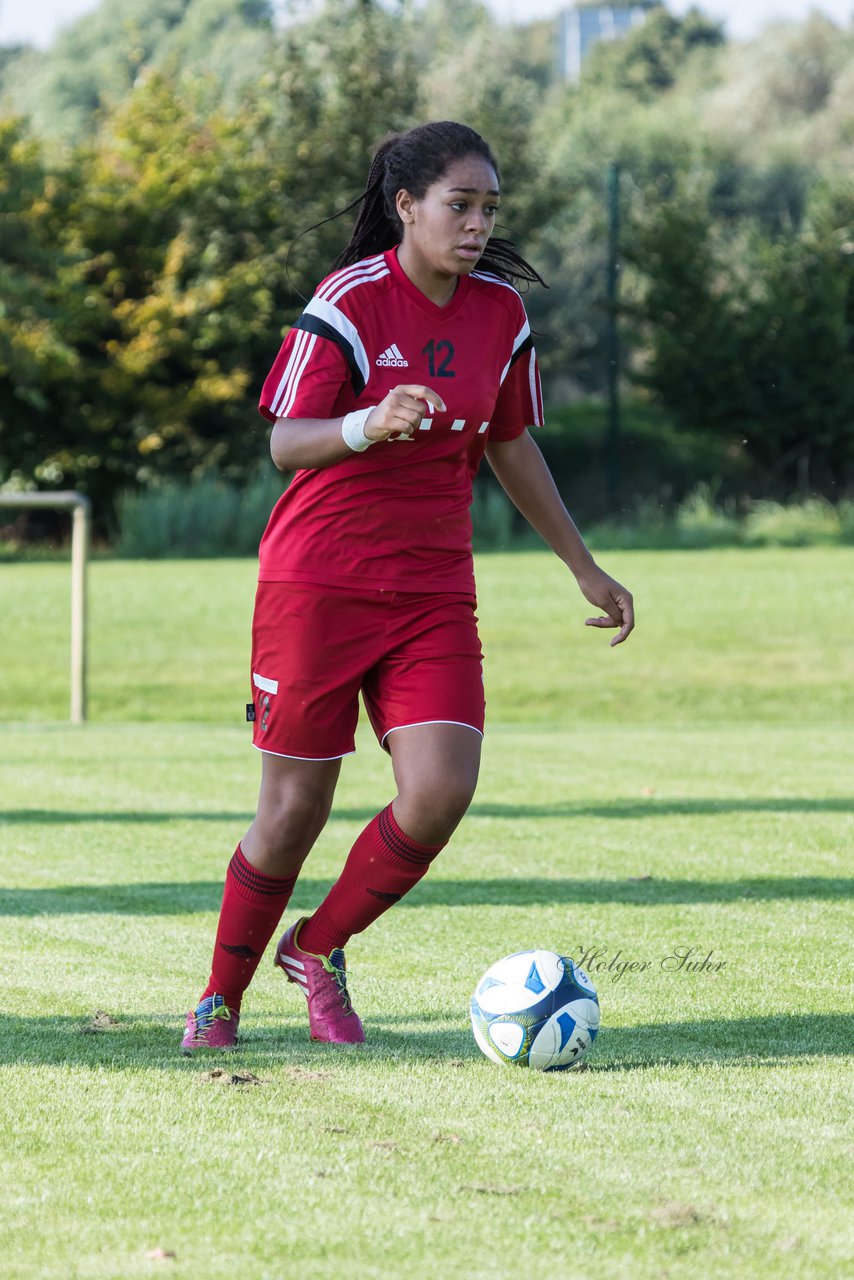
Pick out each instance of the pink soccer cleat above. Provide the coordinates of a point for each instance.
(323, 982)
(211, 1026)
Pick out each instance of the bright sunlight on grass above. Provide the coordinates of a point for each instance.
(684, 801)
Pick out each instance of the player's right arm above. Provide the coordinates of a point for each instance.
(313, 443)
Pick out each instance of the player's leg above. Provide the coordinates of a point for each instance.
(293, 806)
(435, 769)
(425, 700)
(294, 802)
(305, 699)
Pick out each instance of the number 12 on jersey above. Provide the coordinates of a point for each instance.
(439, 356)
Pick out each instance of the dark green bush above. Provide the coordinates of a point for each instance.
(659, 465)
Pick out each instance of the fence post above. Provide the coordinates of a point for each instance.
(612, 339)
(81, 528)
(81, 523)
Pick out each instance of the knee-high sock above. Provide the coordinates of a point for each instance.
(382, 866)
(252, 906)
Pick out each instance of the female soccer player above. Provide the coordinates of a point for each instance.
(411, 361)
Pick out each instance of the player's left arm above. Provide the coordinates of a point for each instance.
(523, 474)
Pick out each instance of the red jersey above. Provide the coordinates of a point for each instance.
(397, 515)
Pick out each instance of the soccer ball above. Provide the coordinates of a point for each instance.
(535, 1009)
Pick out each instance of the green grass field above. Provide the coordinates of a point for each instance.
(692, 789)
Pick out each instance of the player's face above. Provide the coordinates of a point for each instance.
(445, 232)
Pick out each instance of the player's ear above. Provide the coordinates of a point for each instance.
(405, 204)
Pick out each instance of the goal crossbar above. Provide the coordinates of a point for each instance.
(81, 526)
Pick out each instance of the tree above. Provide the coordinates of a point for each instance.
(756, 345)
(336, 87)
(648, 60)
(47, 317)
(94, 64)
(799, 327)
(175, 240)
(696, 363)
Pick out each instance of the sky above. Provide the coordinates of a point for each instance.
(37, 21)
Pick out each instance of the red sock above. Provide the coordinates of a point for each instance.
(382, 866)
(252, 906)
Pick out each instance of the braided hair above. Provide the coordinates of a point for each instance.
(412, 162)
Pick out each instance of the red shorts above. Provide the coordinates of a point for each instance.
(415, 658)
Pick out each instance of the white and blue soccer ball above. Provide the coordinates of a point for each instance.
(535, 1009)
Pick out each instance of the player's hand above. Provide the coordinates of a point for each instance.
(615, 601)
(400, 414)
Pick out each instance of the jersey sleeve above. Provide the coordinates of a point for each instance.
(306, 378)
(520, 398)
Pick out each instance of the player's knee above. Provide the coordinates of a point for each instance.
(456, 796)
(430, 812)
(294, 818)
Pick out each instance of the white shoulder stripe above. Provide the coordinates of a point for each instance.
(329, 313)
(339, 277)
(536, 390)
(491, 279)
(293, 387)
(285, 378)
(365, 278)
(522, 335)
(289, 386)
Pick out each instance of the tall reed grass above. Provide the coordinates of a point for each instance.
(701, 522)
(207, 518)
(212, 518)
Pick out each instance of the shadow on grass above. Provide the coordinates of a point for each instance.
(762, 1042)
(614, 809)
(188, 898)
(152, 1043)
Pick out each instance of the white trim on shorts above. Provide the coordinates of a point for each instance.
(418, 723)
(313, 759)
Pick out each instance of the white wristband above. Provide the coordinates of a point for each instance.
(353, 429)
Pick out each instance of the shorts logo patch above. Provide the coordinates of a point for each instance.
(261, 682)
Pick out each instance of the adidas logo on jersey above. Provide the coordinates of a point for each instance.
(392, 357)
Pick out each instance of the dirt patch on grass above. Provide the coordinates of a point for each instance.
(307, 1073)
(675, 1216)
(100, 1021)
(220, 1076)
(496, 1190)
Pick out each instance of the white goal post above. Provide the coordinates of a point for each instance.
(81, 523)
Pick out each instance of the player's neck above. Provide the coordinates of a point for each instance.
(438, 286)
